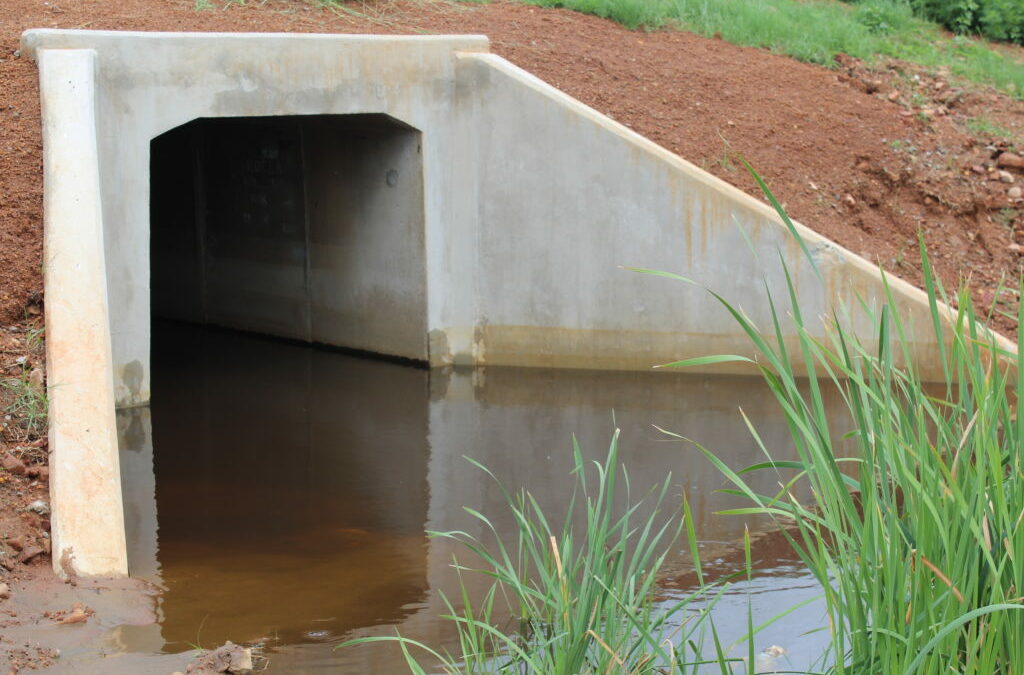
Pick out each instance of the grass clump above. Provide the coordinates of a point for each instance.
(916, 536)
(576, 600)
(29, 403)
(817, 30)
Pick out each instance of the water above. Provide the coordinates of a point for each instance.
(280, 494)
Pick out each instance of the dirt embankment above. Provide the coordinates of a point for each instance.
(867, 157)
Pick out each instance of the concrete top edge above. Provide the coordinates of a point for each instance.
(56, 38)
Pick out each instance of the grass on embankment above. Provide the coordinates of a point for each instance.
(815, 31)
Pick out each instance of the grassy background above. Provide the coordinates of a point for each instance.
(816, 30)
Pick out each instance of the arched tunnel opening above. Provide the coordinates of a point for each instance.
(304, 227)
(260, 461)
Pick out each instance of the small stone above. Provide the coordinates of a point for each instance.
(35, 380)
(40, 507)
(77, 615)
(1015, 193)
(894, 96)
(1015, 248)
(16, 543)
(1010, 160)
(978, 169)
(5, 591)
(12, 464)
(1005, 177)
(849, 200)
(29, 553)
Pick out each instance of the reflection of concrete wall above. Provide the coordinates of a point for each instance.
(280, 471)
(135, 437)
(273, 458)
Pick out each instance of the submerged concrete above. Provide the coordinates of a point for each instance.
(488, 232)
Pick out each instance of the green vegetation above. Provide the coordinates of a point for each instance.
(994, 19)
(989, 129)
(817, 30)
(30, 404)
(912, 525)
(568, 601)
(915, 535)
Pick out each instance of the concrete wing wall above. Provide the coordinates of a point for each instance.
(567, 196)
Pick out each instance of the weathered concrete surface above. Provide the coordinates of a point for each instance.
(85, 482)
(489, 233)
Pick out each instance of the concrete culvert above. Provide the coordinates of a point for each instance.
(414, 196)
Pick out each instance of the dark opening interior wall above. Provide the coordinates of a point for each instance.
(302, 227)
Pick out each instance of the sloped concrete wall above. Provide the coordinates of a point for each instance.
(567, 196)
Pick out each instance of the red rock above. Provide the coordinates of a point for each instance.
(1010, 160)
(77, 615)
(12, 464)
(29, 553)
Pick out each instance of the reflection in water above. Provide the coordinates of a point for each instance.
(293, 486)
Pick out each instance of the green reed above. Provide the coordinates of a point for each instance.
(915, 534)
(577, 597)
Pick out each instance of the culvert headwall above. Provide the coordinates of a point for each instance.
(505, 252)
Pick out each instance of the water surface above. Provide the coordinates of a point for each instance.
(281, 493)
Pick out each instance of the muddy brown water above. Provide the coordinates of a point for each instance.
(280, 494)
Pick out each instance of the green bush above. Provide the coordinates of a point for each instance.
(993, 19)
